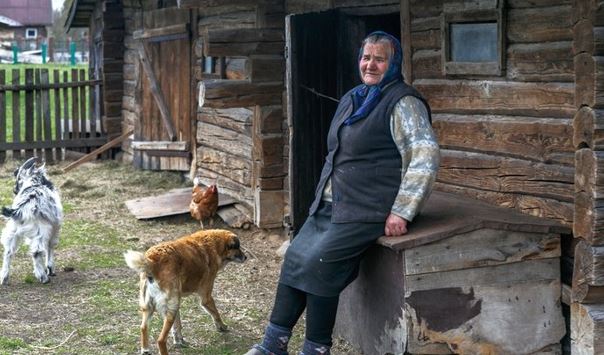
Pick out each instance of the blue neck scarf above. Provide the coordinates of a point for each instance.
(366, 97)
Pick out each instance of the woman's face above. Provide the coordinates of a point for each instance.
(374, 62)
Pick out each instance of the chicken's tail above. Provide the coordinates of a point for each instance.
(136, 261)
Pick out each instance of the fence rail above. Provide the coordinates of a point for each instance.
(45, 111)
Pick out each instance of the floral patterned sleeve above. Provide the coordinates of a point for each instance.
(413, 135)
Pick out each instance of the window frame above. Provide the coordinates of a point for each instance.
(496, 68)
(27, 36)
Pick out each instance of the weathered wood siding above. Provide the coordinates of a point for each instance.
(505, 139)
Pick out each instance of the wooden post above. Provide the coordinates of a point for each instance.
(16, 113)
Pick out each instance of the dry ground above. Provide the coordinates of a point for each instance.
(90, 307)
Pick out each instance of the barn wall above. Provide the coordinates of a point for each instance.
(505, 139)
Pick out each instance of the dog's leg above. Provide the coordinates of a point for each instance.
(147, 308)
(162, 340)
(207, 302)
(10, 241)
(179, 341)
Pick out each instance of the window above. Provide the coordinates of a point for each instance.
(473, 42)
(31, 33)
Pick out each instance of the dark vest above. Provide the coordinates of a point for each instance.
(363, 161)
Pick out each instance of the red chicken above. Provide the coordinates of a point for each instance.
(204, 202)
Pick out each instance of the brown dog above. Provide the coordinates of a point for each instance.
(175, 269)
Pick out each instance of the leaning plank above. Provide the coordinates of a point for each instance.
(98, 151)
(588, 274)
(160, 145)
(171, 203)
(587, 329)
(156, 91)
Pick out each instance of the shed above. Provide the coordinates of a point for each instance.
(519, 125)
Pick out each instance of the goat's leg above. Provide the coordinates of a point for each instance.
(50, 256)
(207, 302)
(10, 242)
(38, 250)
(179, 341)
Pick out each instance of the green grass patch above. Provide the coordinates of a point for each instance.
(11, 344)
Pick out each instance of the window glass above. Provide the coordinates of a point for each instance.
(473, 42)
(31, 33)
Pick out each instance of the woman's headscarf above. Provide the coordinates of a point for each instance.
(366, 97)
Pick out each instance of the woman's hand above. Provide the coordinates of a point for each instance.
(395, 225)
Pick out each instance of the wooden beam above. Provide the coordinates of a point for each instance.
(588, 128)
(588, 274)
(94, 153)
(156, 91)
(587, 329)
(180, 29)
(160, 145)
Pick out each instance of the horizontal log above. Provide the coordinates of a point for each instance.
(419, 24)
(235, 119)
(589, 218)
(226, 185)
(224, 140)
(531, 25)
(550, 61)
(266, 68)
(304, 6)
(561, 212)
(268, 119)
(428, 39)
(241, 93)
(189, 4)
(587, 329)
(498, 97)
(167, 145)
(427, 64)
(482, 247)
(519, 4)
(179, 29)
(588, 128)
(589, 176)
(588, 274)
(268, 149)
(244, 18)
(506, 175)
(589, 81)
(425, 8)
(536, 139)
(225, 164)
(243, 42)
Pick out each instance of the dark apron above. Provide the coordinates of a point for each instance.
(324, 257)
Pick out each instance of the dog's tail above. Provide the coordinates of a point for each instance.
(136, 261)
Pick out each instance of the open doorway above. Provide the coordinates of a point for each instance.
(323, 63)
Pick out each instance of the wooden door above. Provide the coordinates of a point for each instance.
(164, 137)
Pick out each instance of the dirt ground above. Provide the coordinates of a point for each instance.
(90, 307)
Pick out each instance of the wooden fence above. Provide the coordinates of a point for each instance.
(44, 112)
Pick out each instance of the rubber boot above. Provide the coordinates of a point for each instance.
(312, 348)
(275, 341)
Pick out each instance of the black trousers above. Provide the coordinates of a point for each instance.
(320, 312)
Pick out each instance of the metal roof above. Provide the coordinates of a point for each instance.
(27, 12)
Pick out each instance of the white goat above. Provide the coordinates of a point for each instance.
(34, 217)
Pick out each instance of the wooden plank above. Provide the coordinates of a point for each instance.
(483, 247)
(156, 91)
(187, 4)
(506, 175)
(587, 329)
(159, 145)
(38, 120)
(92, 155)
(171, 203)
(75, 108)
(71, 143)
(549, 209)
(588, 273)
(57, 85)
(167, 32)
(94, 107)
(57, 107)
(29, 111)
(65, 105)
(45, 110)
(536, 139)
(588, 128)
(16, 113)
(445, 215)
(499, 97)
(241, 93)
(3, 110)
(83, 110)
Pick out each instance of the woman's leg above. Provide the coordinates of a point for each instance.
(288, 307)
(320, 320)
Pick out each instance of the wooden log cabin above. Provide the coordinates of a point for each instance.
(241, 93)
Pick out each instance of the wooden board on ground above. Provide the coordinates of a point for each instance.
(173, 202)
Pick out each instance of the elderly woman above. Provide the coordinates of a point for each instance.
(380, 167)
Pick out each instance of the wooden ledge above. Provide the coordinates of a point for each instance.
(445, 215)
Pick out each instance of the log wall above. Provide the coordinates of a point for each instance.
(505, 139)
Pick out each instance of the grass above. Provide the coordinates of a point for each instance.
(91, 306)
(8, 70)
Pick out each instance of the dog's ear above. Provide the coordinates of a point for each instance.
(234, 243)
